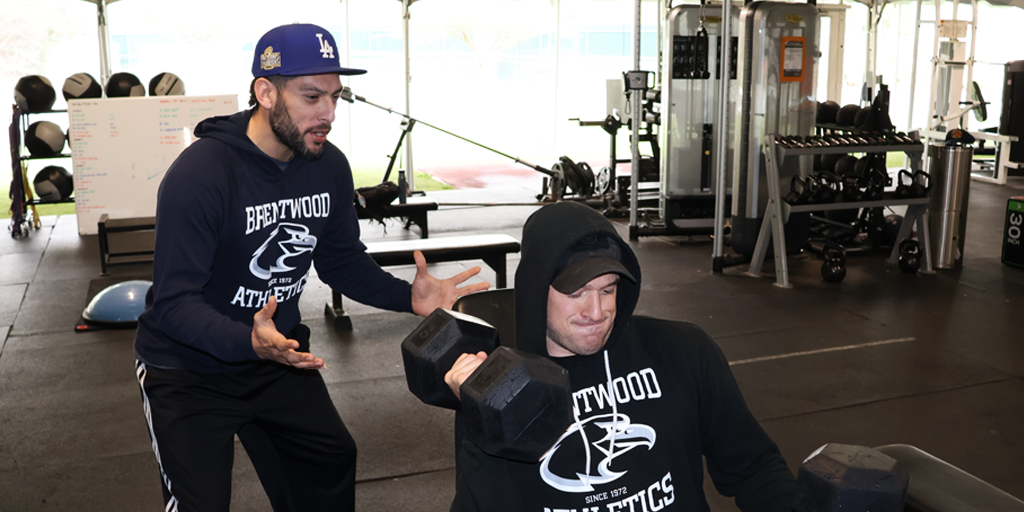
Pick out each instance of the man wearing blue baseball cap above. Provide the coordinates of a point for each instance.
(242, 215)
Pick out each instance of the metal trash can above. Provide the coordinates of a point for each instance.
(950, 177)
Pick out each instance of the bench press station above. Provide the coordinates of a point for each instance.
(491, 248)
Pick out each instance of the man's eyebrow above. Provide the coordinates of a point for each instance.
(313, 88)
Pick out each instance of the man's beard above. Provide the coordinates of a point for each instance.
(288, 134)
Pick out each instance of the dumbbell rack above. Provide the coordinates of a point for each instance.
(777, 212)
(20, 203)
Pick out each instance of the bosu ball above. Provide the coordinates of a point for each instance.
(166, 84)
(122, 85)
(81, 86)
(117, 306)
(53, 183)
(44, 139)
(34, 93)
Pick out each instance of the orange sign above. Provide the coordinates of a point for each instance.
(793, 49)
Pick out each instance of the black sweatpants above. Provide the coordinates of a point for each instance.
(285, 419)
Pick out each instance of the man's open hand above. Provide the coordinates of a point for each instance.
(272, 345)
(430, 293)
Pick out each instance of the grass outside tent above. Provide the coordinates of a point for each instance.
(362, 178)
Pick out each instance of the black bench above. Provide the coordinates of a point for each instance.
(937, 486)
(414, 213)
(106, 225)
(492, 249)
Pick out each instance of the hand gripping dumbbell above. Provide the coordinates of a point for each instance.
(516, 405)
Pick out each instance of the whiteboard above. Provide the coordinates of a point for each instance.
(121, 148)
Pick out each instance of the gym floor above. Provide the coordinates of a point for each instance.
(935, 361)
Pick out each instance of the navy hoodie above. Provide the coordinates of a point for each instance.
(649, 407)
(232, 229)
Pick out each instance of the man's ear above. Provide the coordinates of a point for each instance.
(265, 92)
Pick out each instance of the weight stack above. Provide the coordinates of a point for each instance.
(1011, 122)
(1013, 241)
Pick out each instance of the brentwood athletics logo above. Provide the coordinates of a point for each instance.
(285, 242)
(627, 436)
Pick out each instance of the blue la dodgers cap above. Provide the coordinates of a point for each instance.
(296, 50)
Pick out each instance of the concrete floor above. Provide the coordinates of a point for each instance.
(949, 378)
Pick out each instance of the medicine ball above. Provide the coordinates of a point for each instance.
(847, 115)
(34, 93)
(44, 139)
(166, 84)
(122, 85)
(828, 161)
(80, 86)
(827, 112)
(861, 118)
(53, 183)
(846, 165)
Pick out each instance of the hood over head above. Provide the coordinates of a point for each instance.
(567, 244)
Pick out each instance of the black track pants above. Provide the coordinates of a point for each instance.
(285, 419)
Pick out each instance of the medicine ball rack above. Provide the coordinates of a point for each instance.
(777, 212)
(21, 194)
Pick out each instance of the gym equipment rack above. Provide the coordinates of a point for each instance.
(777, 212)
(21, 192)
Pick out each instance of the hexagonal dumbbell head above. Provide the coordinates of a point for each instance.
(516, 404)
(431, 349)
(845, 478)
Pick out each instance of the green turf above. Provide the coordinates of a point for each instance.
(362, 178)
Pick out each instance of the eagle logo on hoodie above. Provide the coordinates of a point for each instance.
(284, 243)
(605, 437)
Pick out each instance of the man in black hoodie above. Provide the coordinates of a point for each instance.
(242, 214)
(651, 397)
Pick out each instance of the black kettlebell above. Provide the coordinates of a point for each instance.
(826, 187)
(799, 191)
(920, 187)
(833, 270)
(852, 190)
(877, 181)
(903, 189)
(910, 256)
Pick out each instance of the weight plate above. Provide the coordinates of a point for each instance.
(603, 181)
(588, 178)
(573, 178)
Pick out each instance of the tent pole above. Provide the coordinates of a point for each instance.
(104, 37)
(913, 66)
(409, 169)
(721, 135)
(637, 118)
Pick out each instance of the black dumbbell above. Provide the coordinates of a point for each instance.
(846, 478)
(516, 405)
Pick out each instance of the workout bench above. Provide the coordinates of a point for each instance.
(106, 225)
(492, 249)
(937, 486)
(415, 213)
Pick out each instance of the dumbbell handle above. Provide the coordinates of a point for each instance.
(464, 366)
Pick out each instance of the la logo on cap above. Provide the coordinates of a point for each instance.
(325, 47)
(270, 59)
